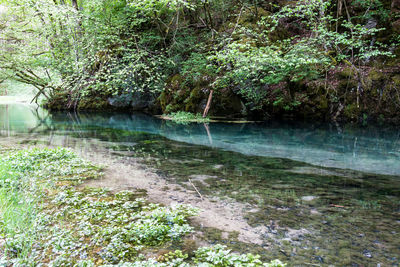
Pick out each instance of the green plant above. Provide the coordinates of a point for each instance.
(187, 117)
(45, 218)
(197, 68)
(219, 256)
(251, 67)
(375, 9)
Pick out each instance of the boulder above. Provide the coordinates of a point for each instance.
(396, 5)
(142, 101)
(120, 101)
(396, 26)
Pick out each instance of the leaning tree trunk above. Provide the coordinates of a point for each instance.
(208, 104)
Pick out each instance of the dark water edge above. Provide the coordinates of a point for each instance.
(309, 214)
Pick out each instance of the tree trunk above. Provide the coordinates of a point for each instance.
(208, 104)
(75, 4)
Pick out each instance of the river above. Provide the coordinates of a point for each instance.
(324, 194)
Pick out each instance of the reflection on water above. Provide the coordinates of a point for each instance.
(308, 214)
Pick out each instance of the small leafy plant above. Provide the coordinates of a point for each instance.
(187, 117)
(46, 218)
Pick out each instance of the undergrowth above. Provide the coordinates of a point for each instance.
(47, 220)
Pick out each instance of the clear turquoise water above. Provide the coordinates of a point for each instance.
(327, 195)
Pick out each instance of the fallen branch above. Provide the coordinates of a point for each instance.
(337, 206)
(190, 181)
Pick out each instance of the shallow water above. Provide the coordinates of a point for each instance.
(322, 194)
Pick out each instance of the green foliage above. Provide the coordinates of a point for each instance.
(253, 65)
(197, 68)
(108, 49)
(216, 256)
(183, 117)
(23, 178)
(220, 256)
(374, 9)
(254, 68)
(104, 48)
(45, 218)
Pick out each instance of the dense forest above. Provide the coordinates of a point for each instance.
(316, 59)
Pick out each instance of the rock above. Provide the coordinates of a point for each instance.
(367, 253)
(371, 24)
(308, 198)
(396, 5)
(142, 100)
(315, 212)
(320, 259)
(120, 101)
(375, 75)
(346, 72)
(396, 26)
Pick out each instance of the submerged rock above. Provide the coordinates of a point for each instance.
(308, 198)
(367, 253)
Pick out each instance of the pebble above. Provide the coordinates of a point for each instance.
(308, 198)
(320, 259)
(218, 166)
(367, 253)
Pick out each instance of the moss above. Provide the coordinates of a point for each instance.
(194, 99)
(93, 103)
(351, 111)
(171, 108)
(58, 101)
(249, 15)
(322, 102)
(346, 72)
(163, 100)
(396, 80)
(376, 75)
(226, 103)
(175, 82)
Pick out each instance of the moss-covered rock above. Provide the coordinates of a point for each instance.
(58, 101)
(351, 111)
(93, 103)
(346, 72)
(193, 102)
(396, 80)
(226, 103)
(396, 26)
(376, 75)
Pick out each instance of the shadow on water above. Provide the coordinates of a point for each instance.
(311, 201)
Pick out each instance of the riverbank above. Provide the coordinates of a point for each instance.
(52, 216)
